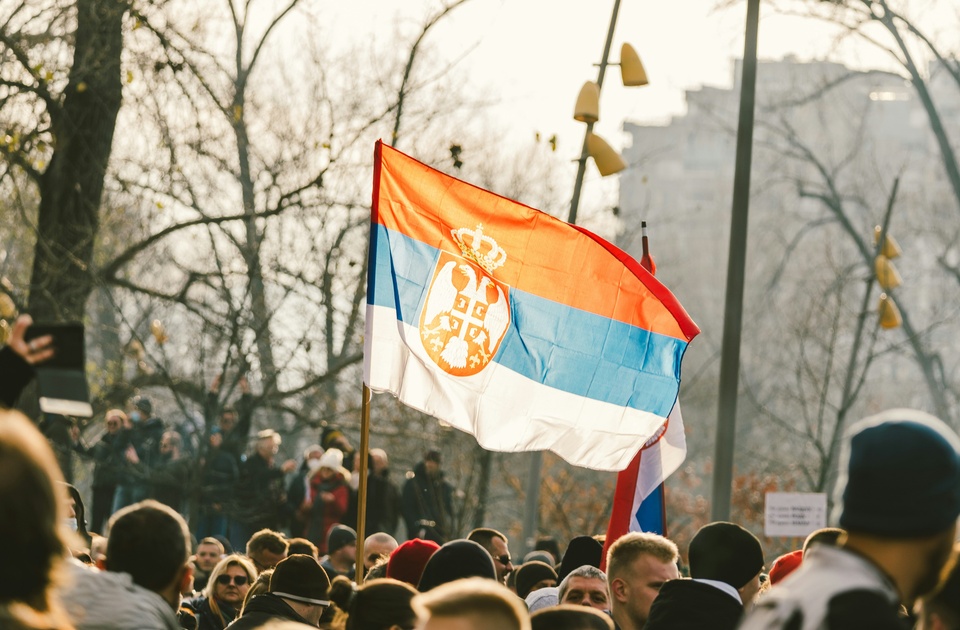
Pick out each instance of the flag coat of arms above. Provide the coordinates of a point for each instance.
(509, 324)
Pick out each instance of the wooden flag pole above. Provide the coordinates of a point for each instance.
(362, 488)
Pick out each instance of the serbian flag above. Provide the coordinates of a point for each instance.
(520, 329)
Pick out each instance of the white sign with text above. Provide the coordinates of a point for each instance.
(794, 513)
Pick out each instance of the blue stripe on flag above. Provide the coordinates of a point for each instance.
(551, 343)
(650, 512)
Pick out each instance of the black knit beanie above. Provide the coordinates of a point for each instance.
(725, 552)
(530, 573)
(454, 560)
(582, 550)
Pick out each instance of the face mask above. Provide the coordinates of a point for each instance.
(71, 523)
(313, 465)
(135, 416)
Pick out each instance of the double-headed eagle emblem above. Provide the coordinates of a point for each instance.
(467, 310)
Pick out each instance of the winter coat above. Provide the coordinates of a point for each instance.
(260, 494)
(692, 605)
(833, 589)
(206, 618)
(263, 609)
(108, 458)
(218, 480)
(383, 505)
(234, 441)
(427, 498)
(106, 600)
(326, 514)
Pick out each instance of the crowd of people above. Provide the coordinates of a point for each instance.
(890, 563)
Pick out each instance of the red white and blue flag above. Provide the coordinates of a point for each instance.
(509, 324)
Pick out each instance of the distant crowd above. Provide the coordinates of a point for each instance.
(890, 563)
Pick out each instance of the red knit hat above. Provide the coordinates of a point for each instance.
(407, 561)
(784, 565)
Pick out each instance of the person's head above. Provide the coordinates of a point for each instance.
(303, 546)
(911, 455)
(470, 604)
(549, 545)
(311, 457)
(823, 536)
(582, 550)
(332, 437)
(727, 553)
(216, 438)
(268, 444)
(940, 610)
(379, 604)
(585, 586)
(568, 617)
(209, 552)
(496, 545)
(376, 547)
(330, 463)
(379, 460)
(784, 565)
(455, 560)
(638, 564)
(534, 575)
(76, 513)
(151, 542)
(170, 445)
(431, 462)
(342, 543)
(260, 586)
(141, 409)
(115, 421)
(302, 583)
(407, 561)
(32, 509)
(266, 548)
(229, 581)
(228, 419)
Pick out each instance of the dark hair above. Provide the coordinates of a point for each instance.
(30, 510)
(272, 541)
(484, 536)
(570, 617)
(301, 545)
(80, 512)
(149, 541)
(376, 605)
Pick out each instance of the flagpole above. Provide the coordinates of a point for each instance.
(736, 270)
(362, 487)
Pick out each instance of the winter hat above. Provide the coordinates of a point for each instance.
(543, 598)
(329, 436)
(784, 565)
(143, 404)
(540, 556)
(301, 578)
(582, 550)
(332, 459)
(900, 475)
(339, 537)
(455, 560)
(407, 561)
(530, 573)
(725, 552)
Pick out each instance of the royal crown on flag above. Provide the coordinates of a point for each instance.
(479, 248)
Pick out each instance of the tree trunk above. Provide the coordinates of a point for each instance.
(72, 185)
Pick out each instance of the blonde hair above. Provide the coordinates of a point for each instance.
(233, 560)
(487, 603)
(630, 546)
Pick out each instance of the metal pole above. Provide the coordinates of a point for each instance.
(582, 165)
(733, 310)
(362, 488)
(532, 504)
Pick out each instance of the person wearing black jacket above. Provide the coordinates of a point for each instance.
(141, 454)
(427, 501)
(234, 421)
(299, 591)
(108, 458)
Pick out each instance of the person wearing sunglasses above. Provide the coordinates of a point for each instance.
(497, 546)
(224, 593)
